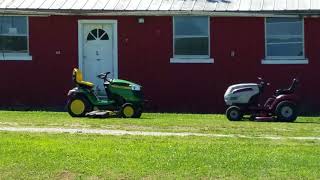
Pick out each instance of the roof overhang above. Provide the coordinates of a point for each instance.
(40, 12)
(246, 8)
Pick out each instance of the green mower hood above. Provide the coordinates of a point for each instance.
(125, 84)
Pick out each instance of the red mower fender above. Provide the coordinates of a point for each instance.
(285, 97)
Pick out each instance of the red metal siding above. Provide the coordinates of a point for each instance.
(310, 73)
(144, 52)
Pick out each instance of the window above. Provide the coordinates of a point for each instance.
(284, 40)
(191, 39)
(97, 34)
(14, 38)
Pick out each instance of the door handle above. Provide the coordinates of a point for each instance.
(98, 59)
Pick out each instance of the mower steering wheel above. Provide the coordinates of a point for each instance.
(104, 76)
(262, 82)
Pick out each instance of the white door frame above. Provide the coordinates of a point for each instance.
(114, 41)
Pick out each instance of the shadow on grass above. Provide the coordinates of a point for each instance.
(312, 122)
(116, 118)
(275, 121)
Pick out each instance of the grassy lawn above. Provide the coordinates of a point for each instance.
(200, 123)
(74, 156)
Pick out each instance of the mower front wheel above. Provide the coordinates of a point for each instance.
(78, 106)
(234, 113)
(128, 110)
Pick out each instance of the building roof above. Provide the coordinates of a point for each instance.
(160, 6)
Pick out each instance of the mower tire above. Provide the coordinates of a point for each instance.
(128, 110)
(78, 106)
(234, 113)
(286, 111)
(138, 112)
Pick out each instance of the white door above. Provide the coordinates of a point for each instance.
(97, 53)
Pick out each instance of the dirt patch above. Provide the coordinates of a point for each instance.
(9, 123)
(66, 175)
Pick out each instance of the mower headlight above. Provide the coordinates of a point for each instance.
(135, 87)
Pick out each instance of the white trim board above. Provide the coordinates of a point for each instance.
(115, 41)
(46, 12)
(15, 57)
(301, 61)
(192, 60)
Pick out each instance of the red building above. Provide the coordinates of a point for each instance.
(184, 53)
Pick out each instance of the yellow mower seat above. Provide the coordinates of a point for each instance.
(78, 79)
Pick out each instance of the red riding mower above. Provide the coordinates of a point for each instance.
(243, 99)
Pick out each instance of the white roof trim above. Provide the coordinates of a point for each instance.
(146, 13)
(161, 7)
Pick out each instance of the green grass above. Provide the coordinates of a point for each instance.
(74, 156)
(201, 123)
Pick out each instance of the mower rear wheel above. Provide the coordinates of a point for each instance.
(78, 107)
(128, 110)
(234, 113)
(286, 111)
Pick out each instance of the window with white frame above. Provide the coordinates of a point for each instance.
(284, 39)
(191, 38)
(13, 37)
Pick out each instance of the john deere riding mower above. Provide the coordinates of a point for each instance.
(124, 98)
